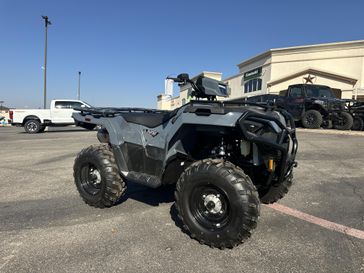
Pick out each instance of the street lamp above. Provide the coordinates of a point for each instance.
(46, 23)
(79, 86)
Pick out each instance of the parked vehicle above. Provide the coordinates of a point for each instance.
(313, 105)
(225, 157)
(356, 108)
(36, 120)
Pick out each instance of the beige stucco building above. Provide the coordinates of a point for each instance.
(338, 65)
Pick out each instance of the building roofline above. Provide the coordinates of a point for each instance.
(298, 48)
(203, 73)
(232, 77)
(314, 71)
(256, 58)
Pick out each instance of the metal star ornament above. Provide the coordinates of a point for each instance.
(309, 78)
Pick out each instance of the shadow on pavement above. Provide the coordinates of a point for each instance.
(152, 197)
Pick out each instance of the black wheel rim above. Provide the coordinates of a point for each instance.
(32, 126)
(91, 179)
(310, 119)
(210, 207)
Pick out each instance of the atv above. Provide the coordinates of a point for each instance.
(224, 157)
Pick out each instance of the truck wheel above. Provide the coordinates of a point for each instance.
(217, 203)
(97, 177)
(32, 126)
(276, 192)
(358, 124)
(312, 119)
(345, 121)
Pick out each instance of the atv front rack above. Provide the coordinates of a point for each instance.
(233, 103)
(112, 111)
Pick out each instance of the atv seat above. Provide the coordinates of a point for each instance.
(150, 120)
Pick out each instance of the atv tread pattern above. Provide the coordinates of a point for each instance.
(277, 191)
(235, 176)
(115, 185)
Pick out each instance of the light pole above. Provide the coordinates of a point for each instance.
(79, 86)
(46, 23)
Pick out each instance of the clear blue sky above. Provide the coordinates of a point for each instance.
(126, 48)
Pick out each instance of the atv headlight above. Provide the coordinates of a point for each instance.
(261, 127)
(252, 126)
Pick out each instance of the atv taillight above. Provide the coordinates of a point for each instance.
(11, 114)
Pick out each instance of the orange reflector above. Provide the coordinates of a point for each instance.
(270, 165)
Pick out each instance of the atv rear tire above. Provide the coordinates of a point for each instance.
(32, 126)
(358, 124)
(97, 177)
(276, 192)
(345, 122)
(312, 119)
(217, 203)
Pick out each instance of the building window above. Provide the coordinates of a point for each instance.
(183, 101)
(67, 104)
(253, 85)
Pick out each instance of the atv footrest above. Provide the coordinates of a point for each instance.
(144, 179)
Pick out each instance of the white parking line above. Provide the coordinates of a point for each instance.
(318, 221)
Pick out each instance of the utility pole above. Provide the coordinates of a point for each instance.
(46, 23)
(79, 86)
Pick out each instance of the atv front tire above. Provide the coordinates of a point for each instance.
(276, 192)
(88, 126)
(312, 119)
(97, 177)
(345, 121)
(217, 203)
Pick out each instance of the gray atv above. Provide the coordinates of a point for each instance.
(225, 158)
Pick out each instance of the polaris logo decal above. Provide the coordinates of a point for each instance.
(151, 132)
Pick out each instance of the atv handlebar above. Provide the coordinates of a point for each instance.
(174, 79)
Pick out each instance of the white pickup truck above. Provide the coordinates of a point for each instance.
(36, 120)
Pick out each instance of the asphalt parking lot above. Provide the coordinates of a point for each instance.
(45, 226)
